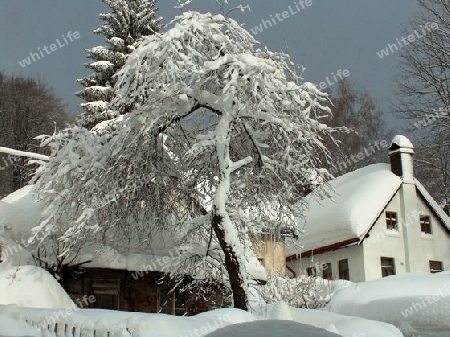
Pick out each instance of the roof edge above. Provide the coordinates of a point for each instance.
(364, 235)
(437, 210)
(324, 249)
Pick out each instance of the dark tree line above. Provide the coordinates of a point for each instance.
(424, 96)
(27, 109)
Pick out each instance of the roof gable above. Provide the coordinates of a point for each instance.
(435, 208)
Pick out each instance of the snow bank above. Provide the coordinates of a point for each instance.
(137, 324)
(19, 212)
(272, 328)
(421, 301)
(342, 325)
(282, 318)
(13, 327)
(30, 286)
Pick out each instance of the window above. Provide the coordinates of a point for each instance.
(387, 266)
(106, 293)
(425, 224)
(344, 271)
(436, 267)
(326, 271)
(311, 271)
(106, 301)
(171, 302)
(391, 220)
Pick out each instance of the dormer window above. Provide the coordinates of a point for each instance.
(425, 224)
(391, 220)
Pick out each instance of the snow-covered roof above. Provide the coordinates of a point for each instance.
(20, 213)
(161, 261)
(357, 200)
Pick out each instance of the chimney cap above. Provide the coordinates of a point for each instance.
(401, 142)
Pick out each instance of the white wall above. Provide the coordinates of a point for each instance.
(422, 248)
(365, 260)
(384, 243)
(354, 254)
(435, 246)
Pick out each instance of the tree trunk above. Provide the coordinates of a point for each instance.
(231, 264)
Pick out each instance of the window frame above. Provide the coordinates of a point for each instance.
(425, 220)
(105, 287)
(344, 274)
(434, 271)
(327, 273)
(391, 270)
(171, 307)
(391, 220)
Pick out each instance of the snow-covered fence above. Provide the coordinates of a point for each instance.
(72, 322)
(101, 328)
(88, 329)
(112, 323)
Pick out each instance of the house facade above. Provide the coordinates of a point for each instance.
(152, 292)
(379, 221)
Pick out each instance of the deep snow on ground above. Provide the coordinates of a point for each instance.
(269, 328)
(160, 325)
(33, 289)
(12, 327)
(411, 301)
(342, 325)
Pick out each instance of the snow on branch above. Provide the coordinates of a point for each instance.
(31, 155)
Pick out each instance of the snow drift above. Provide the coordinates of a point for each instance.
(421, 301)
(33, 287)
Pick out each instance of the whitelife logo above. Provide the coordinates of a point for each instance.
(279, 17)
(69, 37)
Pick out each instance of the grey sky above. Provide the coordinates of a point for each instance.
(324, 37)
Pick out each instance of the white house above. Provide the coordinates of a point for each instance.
(379, 221)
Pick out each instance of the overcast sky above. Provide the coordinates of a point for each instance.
(324, 37)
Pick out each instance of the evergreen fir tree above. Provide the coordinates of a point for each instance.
(128, 21)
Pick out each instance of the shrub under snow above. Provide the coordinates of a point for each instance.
(300, 292)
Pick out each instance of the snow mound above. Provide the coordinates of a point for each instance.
(30, 286)
(344, 325)
(235, 321)
(271, 328)
(281, 311)
(19, 213)
(416, 300)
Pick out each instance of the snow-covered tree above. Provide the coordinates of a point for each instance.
(225, 137)
(123, 27)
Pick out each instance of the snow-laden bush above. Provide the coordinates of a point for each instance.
(300, 292)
